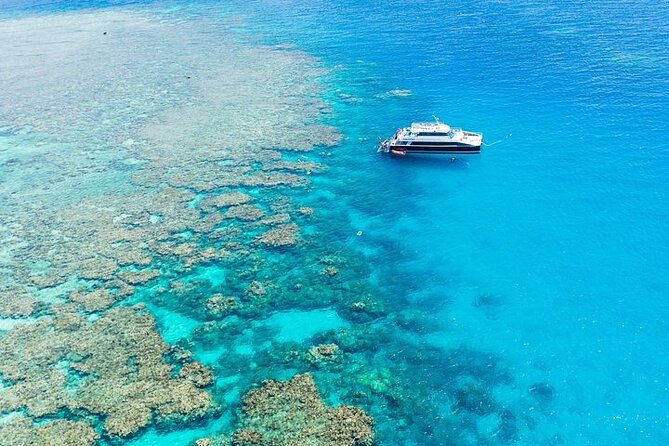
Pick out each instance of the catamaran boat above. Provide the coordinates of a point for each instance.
(432, 137)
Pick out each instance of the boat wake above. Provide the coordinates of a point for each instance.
(498, 141)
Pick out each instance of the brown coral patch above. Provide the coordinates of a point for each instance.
(138, 277)
(119, 362)
(276, 219)
(306, 211)
(302, 166)
(323, 353)
(219, 304)
(245, 437)
(97, 268)
(15, 302)
(293, 413)
(282, 204)
(197, 374)
(256, 289)
(224, 200)
(244, 212)
(283, 235)
(92, 300)
(20, 431)
(329, 271)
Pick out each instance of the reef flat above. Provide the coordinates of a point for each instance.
(139, 144)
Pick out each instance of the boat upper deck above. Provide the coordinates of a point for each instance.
(429, 128)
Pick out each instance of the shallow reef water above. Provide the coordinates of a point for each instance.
(199, 246)
(151, 226)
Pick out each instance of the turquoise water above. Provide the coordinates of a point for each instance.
(561, 221)
(522, 294)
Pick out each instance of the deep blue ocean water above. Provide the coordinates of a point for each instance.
(546, 252)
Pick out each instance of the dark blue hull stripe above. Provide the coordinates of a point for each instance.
(441, 152)
(437, 149)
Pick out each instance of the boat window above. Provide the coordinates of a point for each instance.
(434, 134)
(434, 143)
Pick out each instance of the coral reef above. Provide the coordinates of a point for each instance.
(246, 437)
(15, 302)
(20, 431)
(306, 211)
(138, 277)
(92, 301)
(219, 304)
(329, 271)
(227, 199)
(323, 353)
(378, 380)
(118, 364)
(245, 212)
(276, 219)
(283, 235)
(304, 166)
(256, 289)
(283, 413)
(145, 205)
(196, 373)
(296, 408)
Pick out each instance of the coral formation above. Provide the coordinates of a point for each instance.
(283, 413)
(276, 219)
(245, 212)
(96, 300)
(20, 431)
(196, 373)
(119, 365)
(378, 380)
(246, 437)
(91, 231)
(296, 408)
(304, 166)
(323, 353)
(138, 277)
(283, 235)
(329, 271)
(219, 304)
(227, 199)
(306, 211)
(15, 302)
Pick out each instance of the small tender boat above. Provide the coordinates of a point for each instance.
(432, 137)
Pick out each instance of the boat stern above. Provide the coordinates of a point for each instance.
(472, 138)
